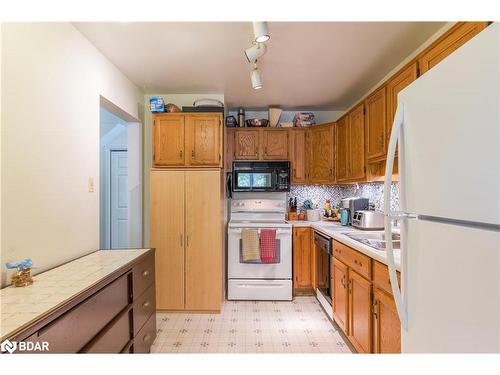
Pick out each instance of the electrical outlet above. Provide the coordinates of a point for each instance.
(91, 184)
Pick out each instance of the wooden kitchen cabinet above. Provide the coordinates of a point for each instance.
(168, 141)
(203, 140)
(203, 247)
(184, 140)
(376, 138)
(303, 256)
(229, 150)
(274, 144)
(321, 154)
(186, 230)
(167, 236)
(386, 324)
(356, 159)
(298, 155)
(360, 322)
(454, 38)
(342, 148)
(247, 144)
(340, 295)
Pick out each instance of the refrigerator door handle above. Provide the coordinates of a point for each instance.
(391, 152)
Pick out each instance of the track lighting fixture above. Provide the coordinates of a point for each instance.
(260, 32)
(255, 78)
(255, 52)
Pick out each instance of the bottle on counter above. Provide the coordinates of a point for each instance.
(328, 208)
(241, 117)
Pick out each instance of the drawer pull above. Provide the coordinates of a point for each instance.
(146, 338)
(145, 273)
(145, 304)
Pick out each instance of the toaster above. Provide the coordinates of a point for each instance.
(368, 220)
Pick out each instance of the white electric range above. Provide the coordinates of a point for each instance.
(255, 280)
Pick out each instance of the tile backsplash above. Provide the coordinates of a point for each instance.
(374, 191)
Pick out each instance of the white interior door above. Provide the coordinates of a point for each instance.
(119, 199)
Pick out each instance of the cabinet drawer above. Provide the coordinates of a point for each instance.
(144, 306)
(144, 275)
(146, 336)
(113, 338)
(70, 332)
(381, 276)
(352, 258)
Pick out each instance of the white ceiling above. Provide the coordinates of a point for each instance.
(322, 65)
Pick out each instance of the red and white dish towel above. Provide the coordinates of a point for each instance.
(267, 245)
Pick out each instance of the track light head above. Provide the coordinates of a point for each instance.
(255, 52)
(260, 32)
(255, 78)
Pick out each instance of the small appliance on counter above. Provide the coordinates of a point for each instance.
(354, 204)
(368, 220)
(231, 121)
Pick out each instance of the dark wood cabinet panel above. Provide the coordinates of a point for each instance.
(356, 164)
(146, 336)
(376, 138)
(298, 155)
(342, 149)
(386, 324)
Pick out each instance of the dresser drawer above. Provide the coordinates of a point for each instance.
(381, 276)
(72, 331)
(115, 337)
(144, 307)
(352, 258)
(146, 336)
(143, 275)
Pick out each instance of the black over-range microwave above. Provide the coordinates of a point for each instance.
(257, 176)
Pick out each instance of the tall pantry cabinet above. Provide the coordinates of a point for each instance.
(187, 218)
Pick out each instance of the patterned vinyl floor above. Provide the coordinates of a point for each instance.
(300, 326)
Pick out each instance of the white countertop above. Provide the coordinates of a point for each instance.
(21, 306)
(336, 231)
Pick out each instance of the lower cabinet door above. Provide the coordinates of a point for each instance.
(302, 260)
(360, 322)
(340, 296)
(386, 324)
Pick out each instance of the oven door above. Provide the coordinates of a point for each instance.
(280, 269)
(254, 180)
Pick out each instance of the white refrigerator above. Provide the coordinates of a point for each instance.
(447, 131)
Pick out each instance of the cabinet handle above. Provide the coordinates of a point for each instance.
(145, 304)
(265, 150)
(294, 173)
(187, 240)
(375, 315)
(145, 273)
(180, 154)
(181, 240)
(349, 286)
(192, 153)
(146, 338)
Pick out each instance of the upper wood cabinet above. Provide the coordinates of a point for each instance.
(274, 144)
(168, 140)
(303, 256)
(350, 149)
(229, 149)
(204, 139)
(187, 139)
(298, 155)
(342, 149)
(321, 154)
(397, 83)
(457, 36)
(357, 144)
(247, 144)
(375, 118)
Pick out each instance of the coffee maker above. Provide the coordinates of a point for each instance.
(354, 204)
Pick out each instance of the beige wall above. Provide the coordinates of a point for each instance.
(179, 100)
(52, 81)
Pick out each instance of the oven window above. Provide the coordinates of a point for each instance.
(262, 180)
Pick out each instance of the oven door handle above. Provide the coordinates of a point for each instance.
(278, 232)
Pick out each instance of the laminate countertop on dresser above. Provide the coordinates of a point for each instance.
(19, 307)
(337, 232)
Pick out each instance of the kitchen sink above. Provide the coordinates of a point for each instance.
(375, 239)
